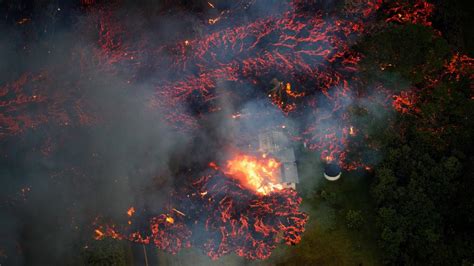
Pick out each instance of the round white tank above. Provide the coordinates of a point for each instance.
(332, 172)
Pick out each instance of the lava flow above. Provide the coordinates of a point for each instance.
(301, 61)
(237, 210)
(308, 55)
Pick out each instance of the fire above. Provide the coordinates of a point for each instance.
(99, 234)
(260, 175)
(352, 131)
(131, 211)
(214, 20)
(169, 219)
(311, 52)
(329, 158)
(292, 93)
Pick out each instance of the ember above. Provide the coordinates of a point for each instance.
(131, 211)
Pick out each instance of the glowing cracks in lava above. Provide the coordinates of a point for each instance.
(292, 93)
(405, 102)
(280, 95)
(419, 12)
(247, 223)
(309, 51)
(230, 217)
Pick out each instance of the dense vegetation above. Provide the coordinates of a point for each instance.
(425, 212)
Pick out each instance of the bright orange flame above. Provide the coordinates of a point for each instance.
(170, 219)
(351, 131)
(257, 174)
(292, 93)
(99, 234)
(329, 158)
(131, 211)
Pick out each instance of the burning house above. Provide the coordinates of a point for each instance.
(276, 144)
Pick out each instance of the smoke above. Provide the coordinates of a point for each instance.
(97, 150)
(98, 144)
(96, 147)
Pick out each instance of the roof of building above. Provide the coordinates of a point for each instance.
(277, 144)
(286, 155)
(273, 141)
(289, 173)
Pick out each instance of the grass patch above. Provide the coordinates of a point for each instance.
(331, 237)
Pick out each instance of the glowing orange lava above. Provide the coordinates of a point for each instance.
(257, 174)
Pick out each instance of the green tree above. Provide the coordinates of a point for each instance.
(354, 219)
(402, 54)
(424, 211)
